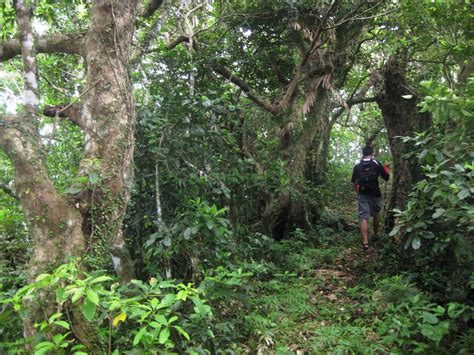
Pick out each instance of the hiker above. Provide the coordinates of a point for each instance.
(365, 178)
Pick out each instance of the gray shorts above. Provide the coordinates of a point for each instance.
(368, 206)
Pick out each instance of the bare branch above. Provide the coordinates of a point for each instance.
(370, 140)
(56, 43)
(176, 42)
(347, 18)
(360, 100)
(71, 110)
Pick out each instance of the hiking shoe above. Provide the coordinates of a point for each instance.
(365, 247)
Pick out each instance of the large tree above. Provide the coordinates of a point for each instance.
(301, 57)
(61, 224)
(429, 43)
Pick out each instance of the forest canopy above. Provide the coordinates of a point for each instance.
(175, 176)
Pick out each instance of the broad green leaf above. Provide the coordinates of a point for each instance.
(155, 325)
(43, 348)
(183, 332)
(427, 235)
(77, 294)
(92, 296)
(63, 324)
(102, 278)
(188, 233)
(42, 277)
(139, 336)
(61, 295)
(54, 317)
(72, 190)
(430, 318)
(416, 243)
(167, 241)
(168, 299)
(164, 335)
(93, 177)
(438, 213)
(455, 310)
(154, 303)
(88, 309)
(427, 330)
(161, 319)
(463, 194)
(466, 113)
(394, 231)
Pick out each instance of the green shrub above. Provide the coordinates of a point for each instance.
(148, 316)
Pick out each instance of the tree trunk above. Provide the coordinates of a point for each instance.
(317, 160)
(288, 209)
(402, 118)
(108, 116)
(60, 225)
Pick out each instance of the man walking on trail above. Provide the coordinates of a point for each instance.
(365, 178)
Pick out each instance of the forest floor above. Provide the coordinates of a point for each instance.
(326, 303)
(324, 298)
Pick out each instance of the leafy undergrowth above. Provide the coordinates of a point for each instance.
(316, 307)
(333, 298)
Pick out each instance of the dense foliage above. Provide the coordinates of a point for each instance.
(241, 223)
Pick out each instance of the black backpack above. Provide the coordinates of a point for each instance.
(368, 175)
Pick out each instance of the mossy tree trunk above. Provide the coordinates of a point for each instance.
(402, 118)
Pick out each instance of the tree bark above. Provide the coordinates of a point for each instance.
(402, 118)
(108, 114)
(55, 227)
(60, 225)
(287, 210)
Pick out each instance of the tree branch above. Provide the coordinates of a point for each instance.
(71, 112)
(355, 101)
(8, 190)
(56, 43)
(361, 100)
(150, 8)
(152, 32)
(226, 73)
(176, 42)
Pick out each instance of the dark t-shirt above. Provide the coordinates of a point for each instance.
(381, 172)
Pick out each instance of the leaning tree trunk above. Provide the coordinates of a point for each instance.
(54, 225)
(402, 118)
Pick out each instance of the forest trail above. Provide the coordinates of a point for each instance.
(324, 303)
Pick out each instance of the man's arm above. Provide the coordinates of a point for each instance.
(384, 171)
(353, 179)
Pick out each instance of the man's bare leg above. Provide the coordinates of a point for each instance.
(364, 231)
